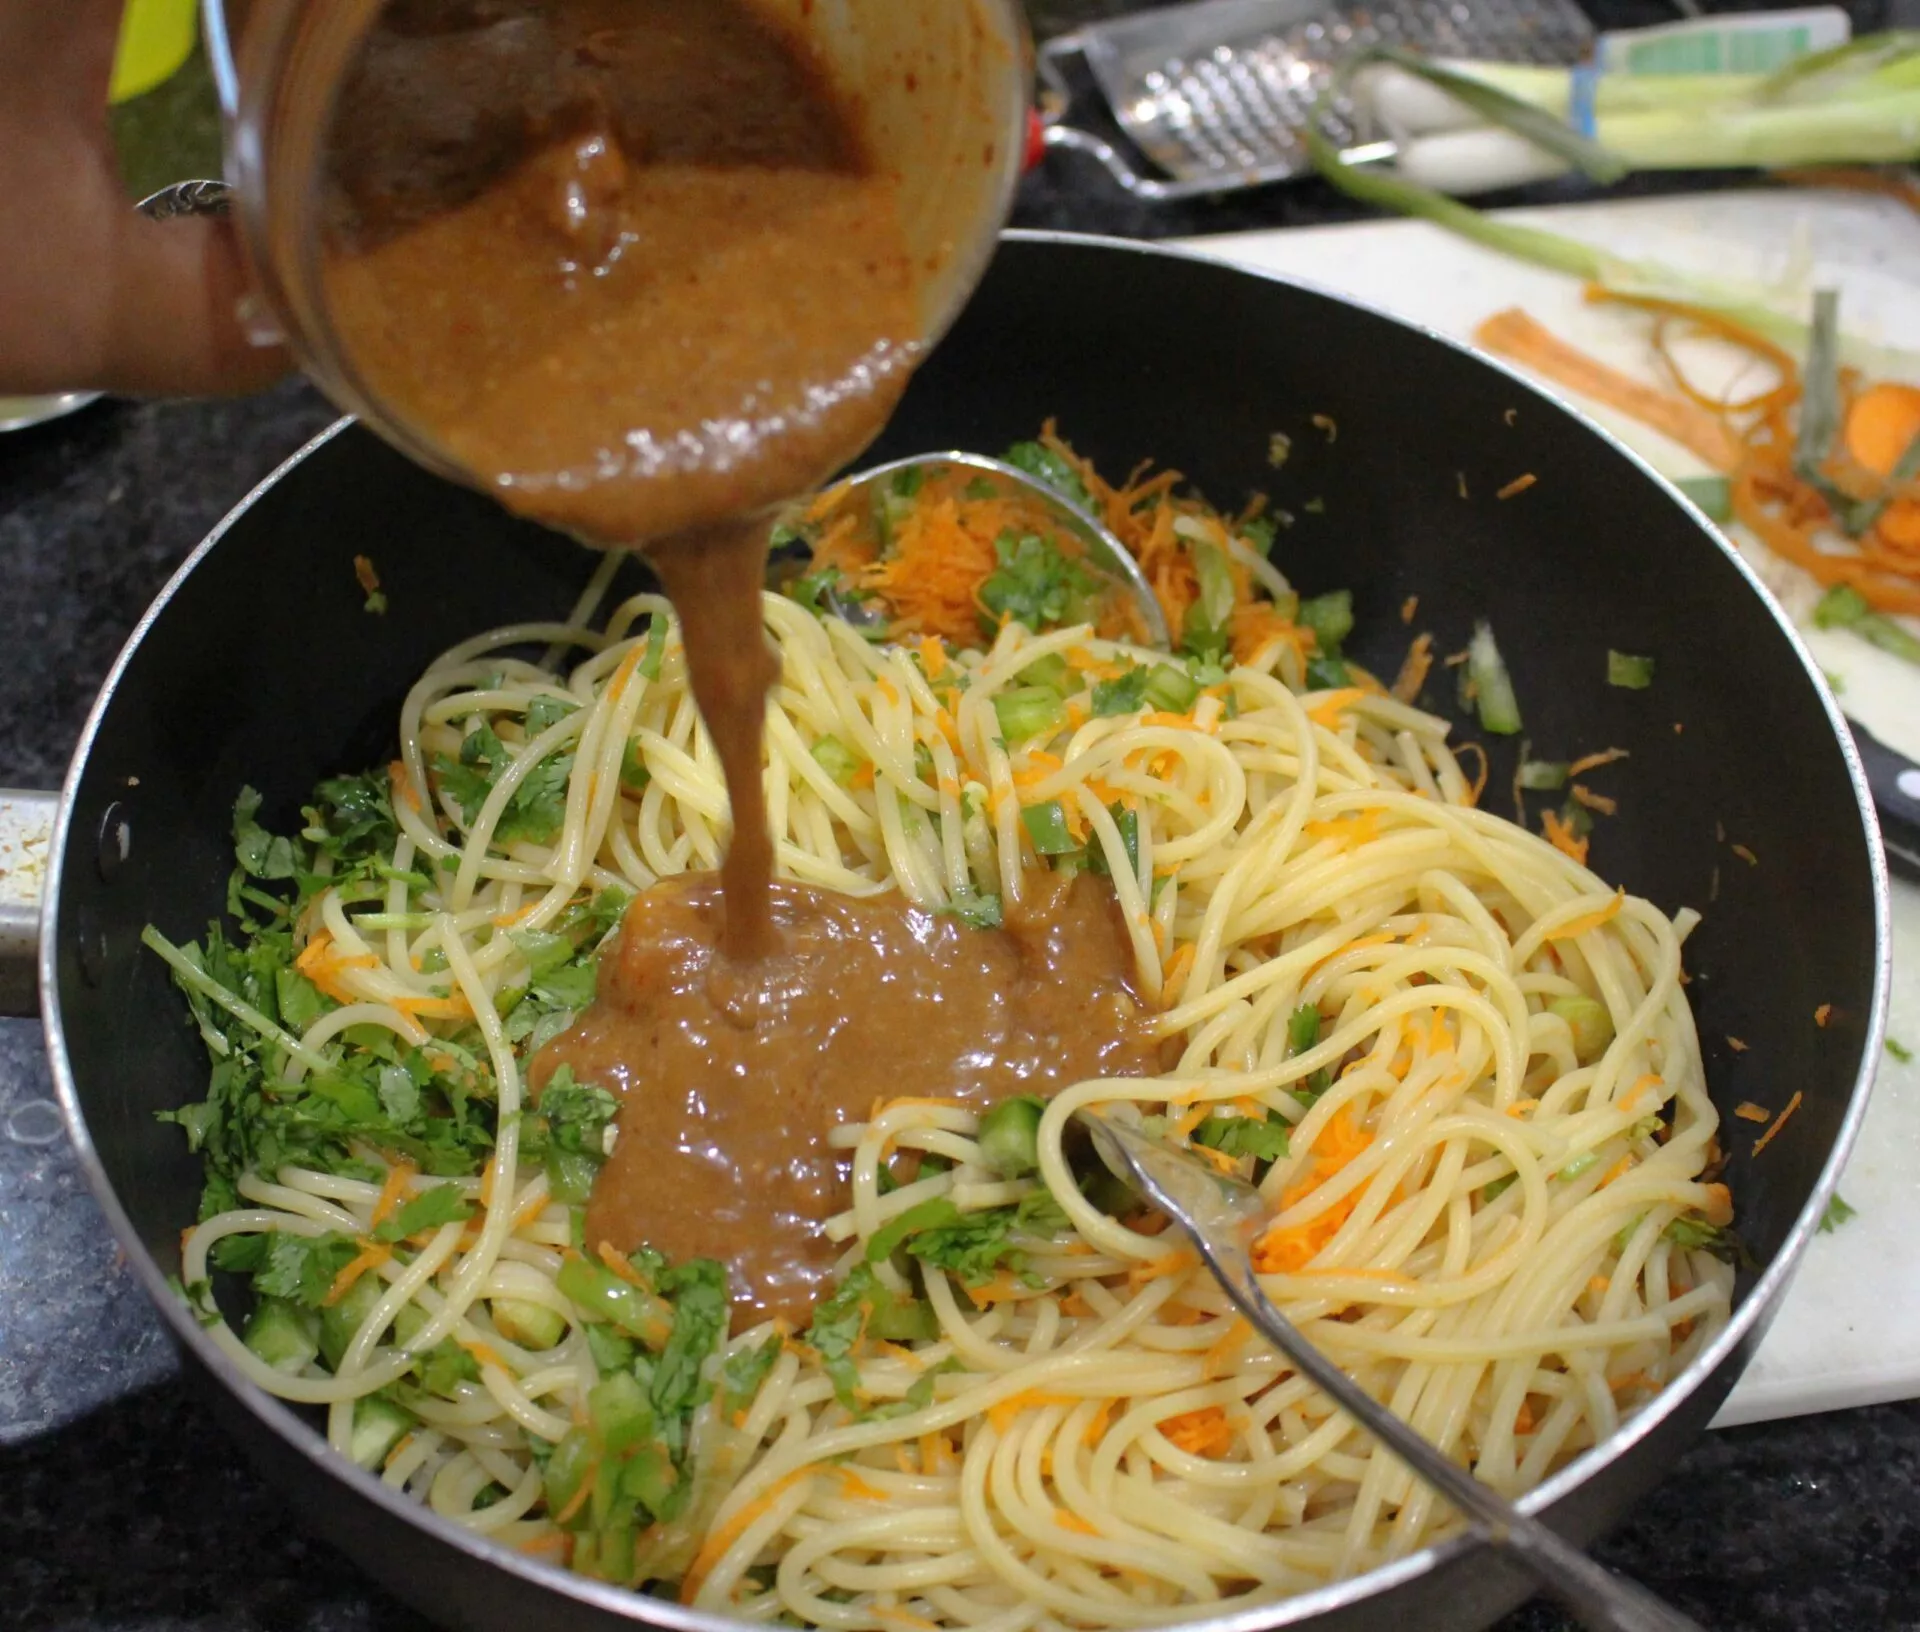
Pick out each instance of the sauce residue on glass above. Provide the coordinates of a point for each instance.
(730, 1076)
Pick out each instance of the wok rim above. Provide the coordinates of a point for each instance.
(291, 1428)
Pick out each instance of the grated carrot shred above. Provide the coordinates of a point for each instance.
(1205, 1432)
(719, 1541)
(1779, 1122)
(373, 1254)
(1285, 1251)
(1747, 1111)
(1590, 920)
(1414, 669)
(1561, 837)
(1003, 1416)
(399, 1176)
(1593, 762)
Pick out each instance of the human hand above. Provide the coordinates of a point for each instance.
(93, 296)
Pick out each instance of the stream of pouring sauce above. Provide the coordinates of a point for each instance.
(630, 264)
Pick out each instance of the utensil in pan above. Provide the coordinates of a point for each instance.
(260, 665)
(1216, 96)
(1103, 549)
(1221, 1214)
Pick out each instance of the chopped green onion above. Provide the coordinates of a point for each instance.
(1590, 1022)
(531, 1325)
(285, 1336)
(573, 1462)
(1629, 672)
(1494, 1189)
(1128, 821)
(340, 1320)
(1009, 1136)
(1028, 711)
(1543, 775)
(602, 1295)
(1713, 494)
(838, 760)
(1046, 825)
(620, 1412)
(1204, 634)
(1051, 671)
(1844, 607)
(1171, 690)
(1582, 1163)
(378, 1426)
(656, 652)
(1493, 695)
(1330, 617)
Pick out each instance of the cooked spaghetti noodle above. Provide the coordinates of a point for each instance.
(1489, 1197)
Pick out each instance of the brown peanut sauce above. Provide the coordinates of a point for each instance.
(731, 1075)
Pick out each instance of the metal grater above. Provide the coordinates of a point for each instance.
(1216, 94)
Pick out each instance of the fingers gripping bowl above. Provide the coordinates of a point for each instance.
(1384, 424)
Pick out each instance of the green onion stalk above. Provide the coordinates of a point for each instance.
(1503, 124)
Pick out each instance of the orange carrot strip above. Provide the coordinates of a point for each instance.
(1779, 1122)
(1514, 334)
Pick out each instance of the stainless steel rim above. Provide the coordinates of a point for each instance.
(1748, 1321)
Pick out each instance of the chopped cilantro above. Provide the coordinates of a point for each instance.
(539, 804)
(1124, 694)
(978, 911)
(1837, 1213)
(1262, 1138)
(742, 1375)
(303, 1268)
(1036, 585)
(1037, 459)
(698, 1292)
(440, 1204)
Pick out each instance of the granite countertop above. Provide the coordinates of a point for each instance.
(128, 1509)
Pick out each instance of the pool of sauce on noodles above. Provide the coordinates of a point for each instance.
(631, 264)
(729, 1079)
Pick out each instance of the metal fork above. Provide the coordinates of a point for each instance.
(1221, 1215)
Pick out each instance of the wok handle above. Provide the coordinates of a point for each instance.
(1895, 782)
(26, 839)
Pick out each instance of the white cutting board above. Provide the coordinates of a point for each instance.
(1849, 1331)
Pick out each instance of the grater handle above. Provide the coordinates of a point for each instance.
(1056, 103)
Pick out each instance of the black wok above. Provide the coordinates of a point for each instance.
(259, 665)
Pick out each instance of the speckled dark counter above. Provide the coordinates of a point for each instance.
(125, 1508)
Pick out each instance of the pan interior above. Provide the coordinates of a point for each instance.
(265, 668)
